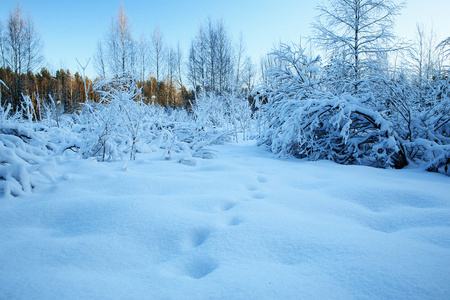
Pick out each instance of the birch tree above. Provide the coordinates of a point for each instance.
(197, 61)
(99, 61)
(143, 58)
(2, 46)
(179, 65)
(158, 53)
(239, 60)
(210, 65)
(21, 50)
(121, 54)
(158, 49)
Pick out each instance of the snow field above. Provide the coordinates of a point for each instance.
(241, 226)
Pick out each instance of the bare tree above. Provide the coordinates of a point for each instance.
(158, 49)
(86, 82)
(143, 57)
(23, 43)
(211, 55)
(210, 63)
(158, 53)
(121, 48)
(224, 58)
(171, 72)
(99, 61)
(33, 47)
(2, 45)
(239, 60)
(357, 29)
(21, 50)
(179, 63)
(197, 61)
(423, 53)
(248, 75)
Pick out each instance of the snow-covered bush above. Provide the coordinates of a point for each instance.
(114, 126)
(223, 115)
(22, 154)
(230, 111)
(209, 111)
(239, 114)
(299, 118)
(420, 112)
(122, 125)
(324, 126)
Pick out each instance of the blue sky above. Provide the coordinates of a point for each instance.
(71, 29)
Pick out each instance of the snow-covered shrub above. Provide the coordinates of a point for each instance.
(436, 120)
(192, 140)
(209, 111)
(340, 129)
(22, 153)
(301, 119)
(239, 113)
(114, 125)
(420, 112)
(227, 114)
(210, 122)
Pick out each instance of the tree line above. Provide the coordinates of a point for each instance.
(214, 64)
(63, 88)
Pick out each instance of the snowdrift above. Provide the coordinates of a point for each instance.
(244, 225)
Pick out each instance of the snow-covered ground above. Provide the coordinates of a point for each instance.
(241, 226)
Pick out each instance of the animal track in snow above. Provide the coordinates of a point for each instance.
(226, 206)
(259, 196)
(261, 179)
(235, 221)
(200, 267)
(200, 236)
(251, 187)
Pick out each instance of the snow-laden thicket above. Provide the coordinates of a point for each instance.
(22, 153)
(420, 112)
(384, 123)
(122, 124)
(229, 110)
(118, 127)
